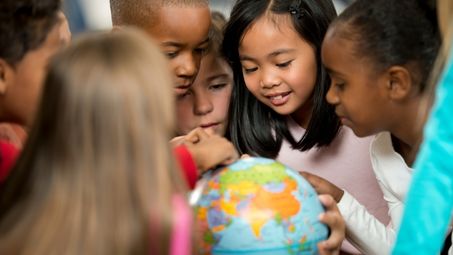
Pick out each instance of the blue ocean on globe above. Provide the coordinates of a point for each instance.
(258, 206)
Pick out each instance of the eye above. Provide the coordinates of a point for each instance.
(171, 54)
(250, 70)
(218, 86)
(284, 64)
(339, 85)
(201, 50)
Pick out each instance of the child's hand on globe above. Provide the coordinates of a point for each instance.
(332, 218)
(322, 186)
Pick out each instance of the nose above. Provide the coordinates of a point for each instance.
(203, 104)
(332, 96)
(188, 65)
(269, 79)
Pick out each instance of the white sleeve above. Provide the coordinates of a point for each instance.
(363, 230)
(450, 251)
(394, 186)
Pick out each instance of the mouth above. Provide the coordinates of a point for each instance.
(210, 125)
(341, 117)
(181, 89)
(278, 99)
(344, 120)
(183, 86)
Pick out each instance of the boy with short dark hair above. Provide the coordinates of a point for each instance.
(179, 26)
(31, 32)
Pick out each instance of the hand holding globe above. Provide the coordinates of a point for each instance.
(259, 206)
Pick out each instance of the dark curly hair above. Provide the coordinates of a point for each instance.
(397, 32)
(24, 25)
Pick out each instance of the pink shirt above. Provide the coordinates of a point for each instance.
(345, 162)
(181, 240)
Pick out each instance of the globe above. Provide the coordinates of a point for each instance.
(258, 206)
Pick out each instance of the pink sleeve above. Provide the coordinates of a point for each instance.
(181, 242)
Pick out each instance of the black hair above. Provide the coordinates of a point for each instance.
(254, 128)
(24, 25)
(393, 32)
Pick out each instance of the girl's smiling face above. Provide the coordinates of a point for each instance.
(278, 66)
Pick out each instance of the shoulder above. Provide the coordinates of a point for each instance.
(389, 166)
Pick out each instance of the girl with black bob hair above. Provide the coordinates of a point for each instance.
(310, 19)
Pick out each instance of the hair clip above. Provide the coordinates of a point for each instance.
(294, 9)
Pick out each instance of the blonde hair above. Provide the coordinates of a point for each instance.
(445, 18)
(445, 12)
(97, 174)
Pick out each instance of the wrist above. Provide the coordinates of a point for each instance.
(338, 195)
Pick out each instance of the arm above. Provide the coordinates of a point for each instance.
(430, 197)
(363, 230)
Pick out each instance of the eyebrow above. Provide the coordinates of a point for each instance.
(281, 51)
(216, 76)
(177, 44)
(331, 71)
(245, 57)
(204, 42)
(169, 43)
(271, 55)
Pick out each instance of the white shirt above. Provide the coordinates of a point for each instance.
(393, 175)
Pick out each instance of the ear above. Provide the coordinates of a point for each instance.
(65, 32)
(399, 82)
(5, 76)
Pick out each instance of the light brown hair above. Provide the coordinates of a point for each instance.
(97, 174)
(218, 22)
(445, 18)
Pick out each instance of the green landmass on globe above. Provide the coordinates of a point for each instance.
(258, 206)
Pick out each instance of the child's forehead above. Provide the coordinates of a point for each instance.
(213, 63)
(343, 36)
(170, 12)
(270, 24)
(271, 33)
(341, 59)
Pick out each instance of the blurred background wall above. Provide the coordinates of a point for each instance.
(95, 14)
